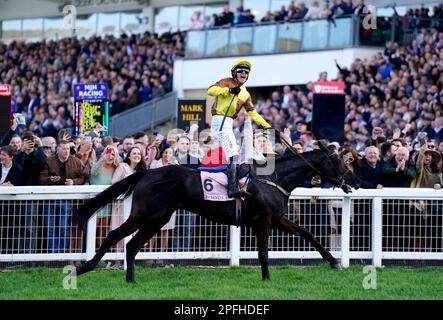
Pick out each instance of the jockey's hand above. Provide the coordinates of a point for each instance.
(235, 90)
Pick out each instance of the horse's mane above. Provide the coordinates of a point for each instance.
(294, 155)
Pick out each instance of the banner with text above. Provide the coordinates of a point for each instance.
(91, 91)
(191, 111)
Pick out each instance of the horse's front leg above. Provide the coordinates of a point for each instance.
(128, 227)
(262, 230)
(286, 225)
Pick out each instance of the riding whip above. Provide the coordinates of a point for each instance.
(226, 113)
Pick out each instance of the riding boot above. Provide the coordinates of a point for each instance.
(233, 189)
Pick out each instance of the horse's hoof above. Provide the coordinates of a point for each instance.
(336, 266)
(128, 280)
(85, 267)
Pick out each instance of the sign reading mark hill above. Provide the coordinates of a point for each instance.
(191, 111)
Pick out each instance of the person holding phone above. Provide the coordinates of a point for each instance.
(32, 159)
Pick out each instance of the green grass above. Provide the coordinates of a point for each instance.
(287, 283)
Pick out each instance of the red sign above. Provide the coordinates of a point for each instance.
(5, 90)
(329, 87)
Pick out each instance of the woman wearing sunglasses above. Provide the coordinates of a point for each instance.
(231, 96)
(350, 157)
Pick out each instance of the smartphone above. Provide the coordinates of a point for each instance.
(20, 118)
(30, 138)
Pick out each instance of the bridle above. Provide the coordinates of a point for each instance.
(338, 182)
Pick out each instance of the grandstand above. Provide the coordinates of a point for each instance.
(152, 53)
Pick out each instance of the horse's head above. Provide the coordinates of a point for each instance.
(335, 171)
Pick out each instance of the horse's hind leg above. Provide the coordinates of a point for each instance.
(262, 230)
(127, 228)
(146, 232)
(287, 225)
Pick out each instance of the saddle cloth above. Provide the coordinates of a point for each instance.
(215, 184)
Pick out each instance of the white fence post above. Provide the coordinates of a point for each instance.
(234, 245)
(90, 237)
(377, 233)
(127, 205)
(345, 231)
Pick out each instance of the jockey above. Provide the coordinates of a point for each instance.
(231, 96)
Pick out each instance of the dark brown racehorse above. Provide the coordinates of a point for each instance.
(159, 192)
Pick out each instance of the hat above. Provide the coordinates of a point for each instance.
(436, 156)
(301, 122)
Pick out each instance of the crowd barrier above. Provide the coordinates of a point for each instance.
(385, 224)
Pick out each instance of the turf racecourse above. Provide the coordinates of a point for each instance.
(242, 283)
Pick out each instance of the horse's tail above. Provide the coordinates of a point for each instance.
(87, 210)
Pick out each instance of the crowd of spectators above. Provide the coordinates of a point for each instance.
(294, 11)
(399, 91)
(414, 18)
(136, 68)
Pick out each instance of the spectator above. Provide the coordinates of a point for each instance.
(423, 213)
(183, 157)
(32, 160)
(61, 169)
(351, 158)
(49, 143)
(428, 168)
(387, 150)
(302, 10)
(197, 21)
(370, 171)
(86, 154)
(226, 17)
(141, 137)
(12, 173)
(101, 174)
(153, 150)
(398, 171)
(128, 143)
(132, 163)
(16, 142)
(164, 159)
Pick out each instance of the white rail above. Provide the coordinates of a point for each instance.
(390, 223)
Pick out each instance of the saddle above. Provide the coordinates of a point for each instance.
(214, 181)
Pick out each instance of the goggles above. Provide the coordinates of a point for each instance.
(241, 70)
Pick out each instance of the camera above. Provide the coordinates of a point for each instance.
(28, 137)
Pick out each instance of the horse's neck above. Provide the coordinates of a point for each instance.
(292, 171)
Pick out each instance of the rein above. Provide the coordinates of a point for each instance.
(340, 182)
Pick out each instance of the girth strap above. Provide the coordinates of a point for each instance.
(274, 185)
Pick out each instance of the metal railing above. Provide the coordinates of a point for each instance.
(144, 116)
(301, 35)
(377, 225)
